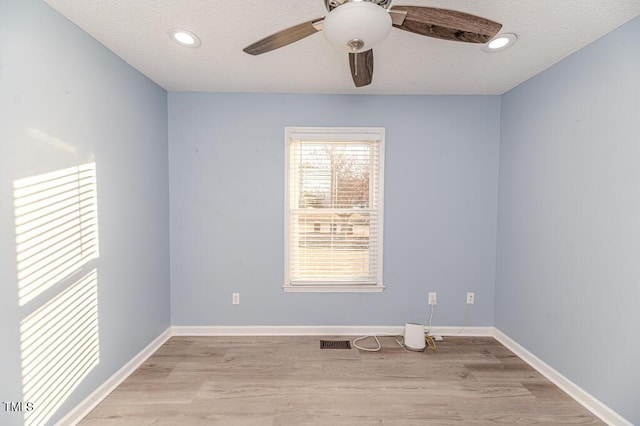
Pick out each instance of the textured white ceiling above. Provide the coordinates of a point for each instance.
(406, 63)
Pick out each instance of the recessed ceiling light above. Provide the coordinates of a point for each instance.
(184, 37)
(500, 42)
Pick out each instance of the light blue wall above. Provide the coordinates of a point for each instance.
(66, 100)
(568, 271)
(226, 160)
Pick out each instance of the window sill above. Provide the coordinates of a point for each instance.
(333, 288)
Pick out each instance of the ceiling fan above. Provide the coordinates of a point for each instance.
(356, 26)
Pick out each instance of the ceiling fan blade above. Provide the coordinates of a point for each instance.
(361, 65)
(446, 24)
(285, 37)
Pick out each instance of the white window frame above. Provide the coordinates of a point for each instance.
(374, 134)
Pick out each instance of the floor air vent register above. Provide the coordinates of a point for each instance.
(335, 344)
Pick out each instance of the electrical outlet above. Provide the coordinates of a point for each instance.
(432, 298)
(471, 298)
(235, 298)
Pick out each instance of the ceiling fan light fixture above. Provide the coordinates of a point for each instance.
(184, 37)
(356, 26)
(500, 42)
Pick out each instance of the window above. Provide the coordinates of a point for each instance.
(334, 205)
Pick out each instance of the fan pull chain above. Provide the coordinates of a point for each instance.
(355, 45)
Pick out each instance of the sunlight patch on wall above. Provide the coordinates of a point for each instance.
(59, 345)
(56, 227)
(56, 224)
(55, 142)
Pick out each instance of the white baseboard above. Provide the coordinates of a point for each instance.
(284, 330)
(74, 416)
(463, 331)
(584, 398)
(312, 330)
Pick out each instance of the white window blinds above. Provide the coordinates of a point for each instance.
(334, 208)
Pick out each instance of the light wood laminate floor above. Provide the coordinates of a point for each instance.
(245, 381)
